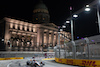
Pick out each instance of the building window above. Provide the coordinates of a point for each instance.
(18, 27)
(27, 28)
(36, 18)
(44, 32)
(47, 18)
(13, 26)
(23, 28)
(32, 30)
(43, 18)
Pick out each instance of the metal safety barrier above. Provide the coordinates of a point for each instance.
(86, 48)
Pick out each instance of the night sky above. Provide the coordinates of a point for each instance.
(85, 25)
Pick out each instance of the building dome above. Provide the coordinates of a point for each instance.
(40, 5)
(41, 13)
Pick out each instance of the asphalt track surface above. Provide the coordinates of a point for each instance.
(22, 63)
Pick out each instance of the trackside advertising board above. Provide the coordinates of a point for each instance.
(79, 62)
(13, 58)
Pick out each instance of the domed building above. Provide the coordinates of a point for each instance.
(36, 36)
(41, 13)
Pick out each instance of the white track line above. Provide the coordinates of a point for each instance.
(9, 64)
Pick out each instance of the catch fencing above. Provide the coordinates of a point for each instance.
(87, 48)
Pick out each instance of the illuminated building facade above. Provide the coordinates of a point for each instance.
(36, 36)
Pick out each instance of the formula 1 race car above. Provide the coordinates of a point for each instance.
(34, 63)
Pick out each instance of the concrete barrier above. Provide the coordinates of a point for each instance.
(79, 62)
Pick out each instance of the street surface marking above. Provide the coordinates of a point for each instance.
(9, 64)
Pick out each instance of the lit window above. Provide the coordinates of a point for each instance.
(36, 18)
(43, 18)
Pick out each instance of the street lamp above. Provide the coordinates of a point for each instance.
(98, 17)
(67, 21)
(75, 16)
(71, 20)
(59, 30)
(63, 26)
(88, 9)
(73, 43)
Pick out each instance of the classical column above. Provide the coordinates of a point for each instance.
(40, 36)
(52, 38)
(47, 37)
(7, 34)
(56, 38)
(35, 40)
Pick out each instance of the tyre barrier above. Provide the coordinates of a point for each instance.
(79, 62)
